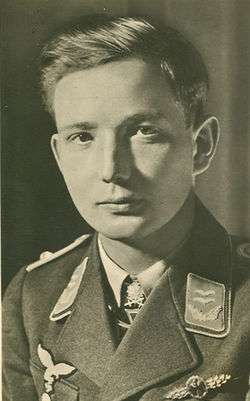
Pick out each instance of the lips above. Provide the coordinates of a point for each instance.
(118, 201)
(122, 205)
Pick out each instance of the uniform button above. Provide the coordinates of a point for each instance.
(46, 254)
(244, 250)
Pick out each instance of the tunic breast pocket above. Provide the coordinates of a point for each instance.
(61, 390)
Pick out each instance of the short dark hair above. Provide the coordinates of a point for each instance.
(97, 40)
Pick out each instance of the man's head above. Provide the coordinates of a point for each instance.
(98, 40)
(128, 99)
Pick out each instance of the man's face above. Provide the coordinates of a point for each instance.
(123, 147)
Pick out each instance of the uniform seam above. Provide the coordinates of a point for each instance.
(22, 309)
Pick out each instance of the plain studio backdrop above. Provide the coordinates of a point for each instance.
(37, 211)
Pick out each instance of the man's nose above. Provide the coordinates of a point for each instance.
(116, 156)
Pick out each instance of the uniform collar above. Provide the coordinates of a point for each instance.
(205, 264)
(116, 275)
(203, 260)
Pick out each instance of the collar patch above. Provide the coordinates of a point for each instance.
(206, 307)
(67, 298)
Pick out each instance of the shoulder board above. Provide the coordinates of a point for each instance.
(47, 256)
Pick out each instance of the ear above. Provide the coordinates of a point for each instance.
(55, 146)
(205, 140)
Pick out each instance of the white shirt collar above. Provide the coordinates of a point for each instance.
(116, 275)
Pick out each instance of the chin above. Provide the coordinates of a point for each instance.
(119, 227)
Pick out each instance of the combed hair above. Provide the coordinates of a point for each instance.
(97, 40)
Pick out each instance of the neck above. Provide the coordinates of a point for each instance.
(136, 256)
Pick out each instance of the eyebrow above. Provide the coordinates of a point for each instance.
(143, 116)
(128, 120)
(85, 125)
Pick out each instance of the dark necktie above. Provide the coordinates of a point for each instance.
(132, 300)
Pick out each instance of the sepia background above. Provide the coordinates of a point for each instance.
(37, 213)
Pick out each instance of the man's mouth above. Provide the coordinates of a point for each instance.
(121, 204)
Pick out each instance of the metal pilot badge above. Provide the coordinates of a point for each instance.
(205, 306)
(53, 372)
(197, 387)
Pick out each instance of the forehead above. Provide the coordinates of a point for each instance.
(110, 90)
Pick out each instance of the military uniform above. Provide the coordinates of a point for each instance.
(189, 341)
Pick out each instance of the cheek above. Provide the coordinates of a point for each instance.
(77, 171)
(73, 162)
(171, 162)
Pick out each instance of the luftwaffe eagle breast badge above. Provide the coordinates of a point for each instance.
(53, 372)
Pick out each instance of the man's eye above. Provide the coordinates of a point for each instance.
(147, 131)
(81, 137)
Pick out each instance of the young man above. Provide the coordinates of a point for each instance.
(153, 306)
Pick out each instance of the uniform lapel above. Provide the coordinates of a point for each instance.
(85, 340)
(155, 348)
